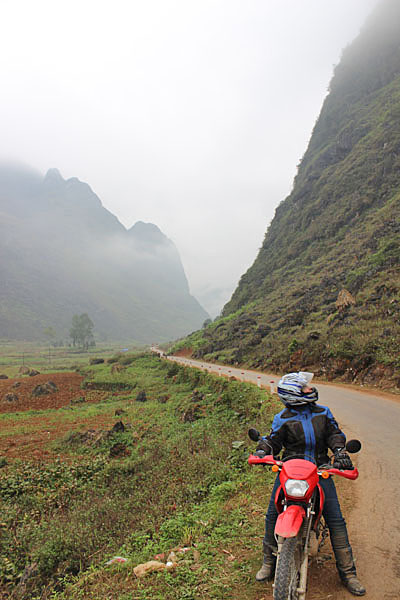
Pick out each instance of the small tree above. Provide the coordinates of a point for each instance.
(81, 331)
(206, 323)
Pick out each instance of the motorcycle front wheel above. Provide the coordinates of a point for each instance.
(287, 574)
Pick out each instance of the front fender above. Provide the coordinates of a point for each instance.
(289, 521)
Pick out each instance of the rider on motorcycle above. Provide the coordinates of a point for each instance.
(307, 428)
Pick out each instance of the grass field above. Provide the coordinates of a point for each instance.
(76, 491)
(14, 355)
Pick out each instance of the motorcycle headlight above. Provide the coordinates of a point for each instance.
(296, 488)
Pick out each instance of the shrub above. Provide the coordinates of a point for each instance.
(127, 360)
(223, 490)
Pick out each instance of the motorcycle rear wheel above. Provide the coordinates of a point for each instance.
(287, 573)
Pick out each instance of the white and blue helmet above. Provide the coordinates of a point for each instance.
(290, 389)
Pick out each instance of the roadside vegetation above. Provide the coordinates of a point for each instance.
(157, 464)
(357, 343)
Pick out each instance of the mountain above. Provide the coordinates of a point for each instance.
(62, 253)
(323, 292)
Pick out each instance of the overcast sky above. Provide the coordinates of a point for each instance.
(190, 114)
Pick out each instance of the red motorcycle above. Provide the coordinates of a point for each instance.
(299, 501)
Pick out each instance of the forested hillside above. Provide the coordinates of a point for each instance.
(323, 292)
(62, 253)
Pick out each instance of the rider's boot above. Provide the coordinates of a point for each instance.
(267, 571)
(347, 571)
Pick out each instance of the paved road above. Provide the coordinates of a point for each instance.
(374, 523)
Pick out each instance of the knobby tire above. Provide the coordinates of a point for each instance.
(287, 571)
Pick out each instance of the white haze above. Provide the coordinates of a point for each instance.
(191, 114)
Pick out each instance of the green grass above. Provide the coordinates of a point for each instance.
(180, 483)
(45, 358)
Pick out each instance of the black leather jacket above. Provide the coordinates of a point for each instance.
(306, 430)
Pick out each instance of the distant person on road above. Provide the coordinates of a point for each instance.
(309, 429)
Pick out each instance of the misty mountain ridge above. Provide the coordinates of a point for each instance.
(63, 253)
(323, 294)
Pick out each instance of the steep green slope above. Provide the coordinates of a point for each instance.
(338, 230)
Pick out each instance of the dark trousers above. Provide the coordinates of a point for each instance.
(333, 518)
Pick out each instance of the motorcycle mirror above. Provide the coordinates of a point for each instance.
(254, 434)
(353, 446)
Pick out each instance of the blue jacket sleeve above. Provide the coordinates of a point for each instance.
(275, 436)
(335, 437)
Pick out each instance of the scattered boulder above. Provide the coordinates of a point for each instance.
(96, 361)
(192, 414)
(95, 437)
(119, 427)
(24, 370)
(163, 399)
(52, 386)
(10, 397)
(16, 384)
(113, 359)
(119, 450)
(119, 412)
(33, 373)
(314, 335)
(197, 396)
(2, 376)
(141, 397)
(45, 388)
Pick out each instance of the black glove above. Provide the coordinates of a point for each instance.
(342, 460)
(263, 445)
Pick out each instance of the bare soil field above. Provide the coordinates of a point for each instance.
(68, 389)
(30, 436)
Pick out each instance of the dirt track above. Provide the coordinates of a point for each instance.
(372, 507)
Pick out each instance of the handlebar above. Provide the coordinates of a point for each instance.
(270, 460)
